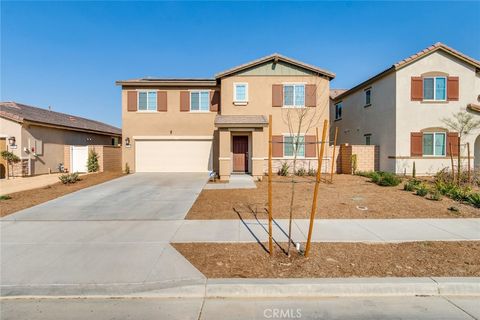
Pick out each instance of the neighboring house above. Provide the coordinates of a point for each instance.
(401, 110)
(38, 136)
(221, 124)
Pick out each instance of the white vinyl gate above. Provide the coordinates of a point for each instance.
(78, 158)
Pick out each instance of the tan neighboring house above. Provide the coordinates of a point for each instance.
(401, 110)
(39, 136)
(221, 124)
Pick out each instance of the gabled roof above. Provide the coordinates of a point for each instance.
(336, 92)
(275, 57)
(23, 113)
(203, 82)
(415, 57)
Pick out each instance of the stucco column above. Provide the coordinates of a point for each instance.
(259, 152)
(225, 155)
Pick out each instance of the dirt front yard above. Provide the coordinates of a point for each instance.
(330, 260)
(348, 197)
(29, 198)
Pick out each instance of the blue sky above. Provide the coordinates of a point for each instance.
(68, 54)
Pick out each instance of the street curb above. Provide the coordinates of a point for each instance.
(262, 288)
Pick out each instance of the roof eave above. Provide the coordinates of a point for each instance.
(166, 83)
(50, 125)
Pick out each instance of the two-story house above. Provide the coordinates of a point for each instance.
(221, 124)
(402, 109)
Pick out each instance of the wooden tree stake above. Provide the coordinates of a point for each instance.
(317, 183)
(468, 161)
(451, 159)
(333, 154)
(270, 240)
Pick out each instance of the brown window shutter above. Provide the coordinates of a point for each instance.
(214, 101)
(131, 100)
(310, 146)
(417, 89)
(310, 95)
(416, 144)
(452, 138)
(277, 146)
(277, 95)
(162, 101)
(452, 89)
(184, 101)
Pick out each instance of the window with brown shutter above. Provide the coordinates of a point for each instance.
(277, 95)
(214, 100)
(162, 101)
(131, 101)
(310, 95)
(277, 146)
(310, 146)
(184, 101)
(416, 144)
(452, 139)
(452, 89)
(416, 90)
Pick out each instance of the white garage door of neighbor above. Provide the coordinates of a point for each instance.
(173, 155)
(79, 157)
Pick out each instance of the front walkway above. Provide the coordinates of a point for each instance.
(237, 181)
(8, 186)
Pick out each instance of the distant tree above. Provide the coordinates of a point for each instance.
(11, 159)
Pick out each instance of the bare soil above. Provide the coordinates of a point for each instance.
(345, 198)
(330, 260)
(29, 198)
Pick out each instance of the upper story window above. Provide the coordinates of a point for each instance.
(292, 143)
(147, 100)
(338, 111)
(240, 92)
(368, 97)
(434, 143)
(200, 101)
(368, 139)
(435, 88)
(294, 95)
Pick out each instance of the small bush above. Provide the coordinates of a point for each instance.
(411, 185)
(388, 179)
(460, 194)
(354, 163)
(474, 199)
(375, 177)
(434, 195)
(92, 162)
(311, 172)
(127, 168)
(366, 174)
(5, 197)
(283, 171)
(422, 190)
(69, 178)
(301, 172)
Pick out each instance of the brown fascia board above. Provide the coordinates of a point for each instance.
(48, 125)
(167, 82)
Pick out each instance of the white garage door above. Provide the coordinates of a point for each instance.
(173, 155)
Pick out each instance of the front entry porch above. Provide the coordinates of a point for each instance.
(242, 145)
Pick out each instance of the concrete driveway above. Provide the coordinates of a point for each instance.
(140, 196)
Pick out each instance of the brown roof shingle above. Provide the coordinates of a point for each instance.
(20, 112)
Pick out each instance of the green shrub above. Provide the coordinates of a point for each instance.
(5, 197)
(375, 177)
(283, 171)
(69, 178)
(421, 190)
(311, 172)
(366, 174)
(92, 162)
(354, 163)
(411, 185)
(388, 179)
(301, 172)
(474, 199)
(459, 193)
(434, 195)
(127, 168)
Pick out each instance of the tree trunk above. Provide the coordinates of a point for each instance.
(458, 161)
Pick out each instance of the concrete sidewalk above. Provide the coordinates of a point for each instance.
(331, 230)
(8, 186)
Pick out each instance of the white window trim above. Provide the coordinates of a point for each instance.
(339, 103)
(434, 137)
(199, 111)
(240, 102)
(293, 156)
(294, 84)
(435, 88)
(138, 101)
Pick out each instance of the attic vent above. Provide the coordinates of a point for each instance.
(72, 118)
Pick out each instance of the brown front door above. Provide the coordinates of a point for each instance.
(240, 153)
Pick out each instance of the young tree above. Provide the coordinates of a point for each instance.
(11, 158)
(463, 123)
(300, 120)
(92, 162)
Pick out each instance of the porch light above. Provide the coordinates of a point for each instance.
(11, 141)
(127, 141)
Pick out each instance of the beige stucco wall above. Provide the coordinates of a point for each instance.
(414, 116)
(260, 103)
(170, 123)
(8, 129)
(378, 119)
